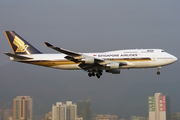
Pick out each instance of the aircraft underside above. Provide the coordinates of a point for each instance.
(98, 71)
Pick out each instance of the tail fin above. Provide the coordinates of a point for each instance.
(19, 45)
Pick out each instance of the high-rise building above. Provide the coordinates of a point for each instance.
(159, 107)
(22, 108)
(7, 114)
(66, 111)
(84, 109)
(59, 111)
(71, 110)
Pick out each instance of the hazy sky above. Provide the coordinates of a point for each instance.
(91, 26)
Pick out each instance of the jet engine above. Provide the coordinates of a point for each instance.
(88, 60)
(116, 71)
(113, 65)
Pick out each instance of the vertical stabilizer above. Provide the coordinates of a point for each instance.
(19, 45)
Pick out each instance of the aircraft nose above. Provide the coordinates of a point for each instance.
(171, 59)
(175, 59)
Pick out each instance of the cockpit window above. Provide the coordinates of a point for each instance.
(162, 51)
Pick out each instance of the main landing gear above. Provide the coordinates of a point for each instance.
(158, 72)
(97, 74)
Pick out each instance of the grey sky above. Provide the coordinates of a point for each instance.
(90, 26)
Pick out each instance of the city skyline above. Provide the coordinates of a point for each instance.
(90, 26)
(71, 109)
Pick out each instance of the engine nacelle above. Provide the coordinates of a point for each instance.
(88, 60)
(116, 71)
(114, 65)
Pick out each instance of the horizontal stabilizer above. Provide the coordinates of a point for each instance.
(17, 56)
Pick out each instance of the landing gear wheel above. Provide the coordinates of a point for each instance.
(89, 74)
(98, 75)
(158, 73)
(93, 74)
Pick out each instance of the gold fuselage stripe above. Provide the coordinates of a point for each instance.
(49, 63)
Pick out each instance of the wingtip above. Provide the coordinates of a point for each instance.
(5, 53)
(48, 44)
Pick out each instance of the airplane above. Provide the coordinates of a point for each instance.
(93, 63)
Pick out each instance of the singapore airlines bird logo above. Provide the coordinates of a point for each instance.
(21, 47)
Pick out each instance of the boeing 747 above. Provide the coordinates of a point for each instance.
(93, 63)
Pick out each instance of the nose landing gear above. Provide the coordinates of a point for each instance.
(158, 72)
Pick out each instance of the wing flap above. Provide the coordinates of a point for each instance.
(72, 59)
(88, 66)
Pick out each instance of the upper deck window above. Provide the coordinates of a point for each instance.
(131, 52)
(147, 51)
(150, 50)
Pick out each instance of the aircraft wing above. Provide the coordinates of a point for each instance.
(71, 54)
(67, 52)
(78, 57)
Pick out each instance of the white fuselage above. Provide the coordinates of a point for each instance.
(135, 58)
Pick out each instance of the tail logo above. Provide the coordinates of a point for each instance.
(21, 47)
